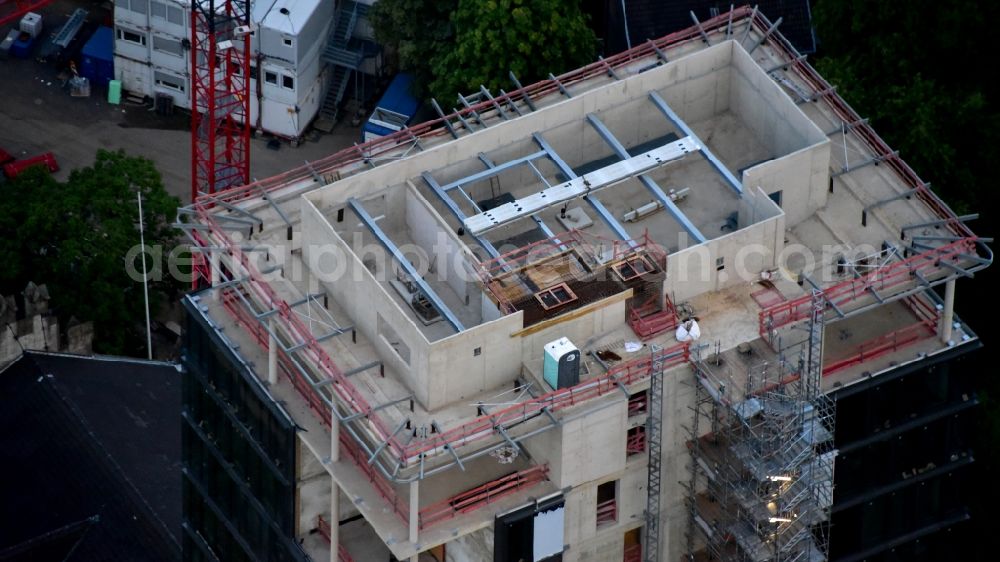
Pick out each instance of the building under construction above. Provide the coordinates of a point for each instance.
(619, 314)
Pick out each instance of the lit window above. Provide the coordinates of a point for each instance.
(130, 36)
(158, 10)
(166, 45)
(271, 77)
(175, 15)
(169, 81)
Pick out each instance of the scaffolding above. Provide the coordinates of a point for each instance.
(767, 463)
(654, 431)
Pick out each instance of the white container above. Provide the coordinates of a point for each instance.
(31, 24)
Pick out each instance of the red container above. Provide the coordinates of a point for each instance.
(13, 169)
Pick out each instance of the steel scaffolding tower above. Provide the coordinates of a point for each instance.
(220, 95)
(654, 430)
(768, 463)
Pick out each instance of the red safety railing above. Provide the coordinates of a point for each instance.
(323, 526)
(484, 426)
(339, 161)
(258, 291)
(882, 345)
(12, 10)
(928, 318)
(607, 512)
(635, 441)
(767, 297)
(379, 482)
(483, 495)
(650, 320)
(888, 277)
(638, 403)
(824, 91)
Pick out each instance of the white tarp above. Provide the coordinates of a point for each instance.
(688, 331)
(548, 539)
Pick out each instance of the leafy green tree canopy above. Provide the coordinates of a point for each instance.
(915, 68)
(453, 47)
(416, 32)
(74, 236)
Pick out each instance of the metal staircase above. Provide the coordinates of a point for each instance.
(343, 60)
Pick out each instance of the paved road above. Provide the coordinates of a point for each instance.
(37, 115)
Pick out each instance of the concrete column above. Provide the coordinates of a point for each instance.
(948, 316)
(334, 489)
(214, 273)
(414, 515)
(272, 353)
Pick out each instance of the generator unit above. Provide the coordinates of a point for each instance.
(561, 365)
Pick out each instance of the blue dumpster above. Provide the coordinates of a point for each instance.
(97, 60)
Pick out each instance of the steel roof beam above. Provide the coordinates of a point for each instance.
(684, 128)
(647, 181)
(450, 203)
(594, 202)
(391, 247)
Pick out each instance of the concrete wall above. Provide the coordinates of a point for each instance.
(574, 140)
(608, 314)
(363, 299)
(744, 253)
(448, 255)
(762, 106)
(700, 83)
(756, 206)
(438, 373)
(678, 401)
(802, 177)
(456, 372)
(473, 547)
(584, 448)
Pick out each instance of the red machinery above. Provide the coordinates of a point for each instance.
(13, 169)
(12, 10)
(220, 95)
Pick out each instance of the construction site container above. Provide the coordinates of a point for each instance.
(394, 111)
(97, 60)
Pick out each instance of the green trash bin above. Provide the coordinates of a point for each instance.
(115, 92)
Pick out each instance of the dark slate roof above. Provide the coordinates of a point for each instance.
(651, 19)
(91, 459)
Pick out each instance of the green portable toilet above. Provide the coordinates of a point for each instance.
(115, 92)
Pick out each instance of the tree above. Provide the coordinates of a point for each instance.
(415, 33)
(529, 37)
(920, 70)
(75, 236)
(914, 67)
(455, 46)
